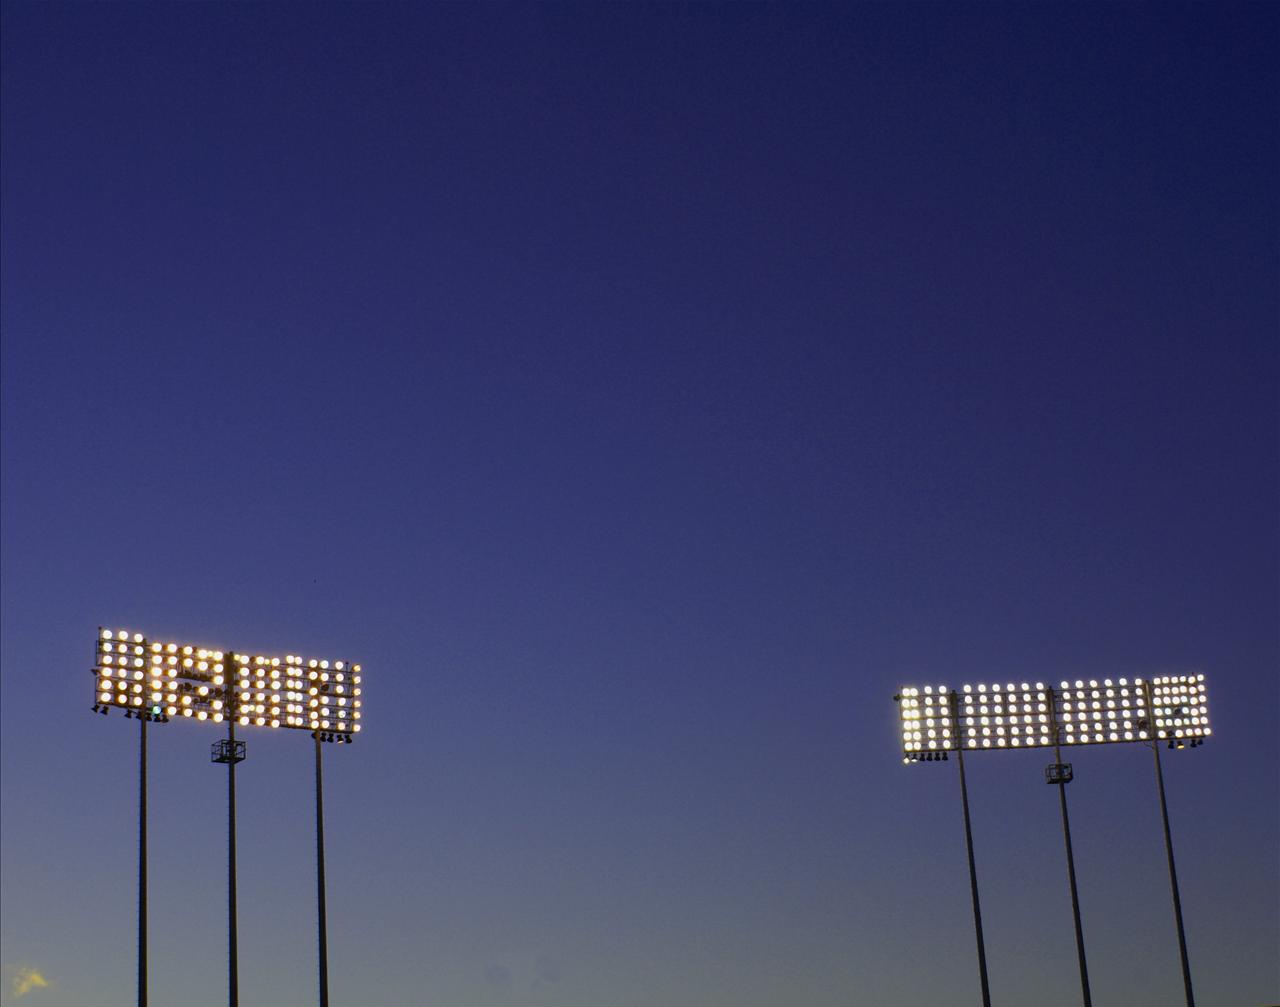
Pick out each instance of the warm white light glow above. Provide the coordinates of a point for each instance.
(1180, 707)
(269, 691)
(1103, 711)
(1015, 715)
(1026, 715)
(925, 720)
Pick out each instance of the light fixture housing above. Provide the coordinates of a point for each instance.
(183, 681)
(934, 719)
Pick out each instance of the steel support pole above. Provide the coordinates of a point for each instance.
(954, 701)
(323, 926)
(232, 953)
(973, 886)
(142, 860)
(1173, 879)
(1071, 877)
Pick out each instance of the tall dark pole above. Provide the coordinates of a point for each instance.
(231, 751)
(1173, 878)
(142, 860)
(973, 873)
(1071, 877)
(233, 963)
(324, 933)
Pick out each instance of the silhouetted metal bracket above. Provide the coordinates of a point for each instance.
(225, 751)
(1058, 772)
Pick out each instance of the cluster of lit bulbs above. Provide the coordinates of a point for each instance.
(1096, 712)
(1026, 715)
(314, 695)
(1008, 716)
(124, 676)
(1180, 707)
(926, 720)
(173, 679)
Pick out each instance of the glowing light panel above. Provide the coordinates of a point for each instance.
(926, 720)
(1180, 707)
(1036, 715)
(1096, 712)
(177, 680)
(1013, 715)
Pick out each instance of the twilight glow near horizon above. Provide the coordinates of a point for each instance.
(644, 396)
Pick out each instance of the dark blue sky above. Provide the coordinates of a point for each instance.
(642, 394)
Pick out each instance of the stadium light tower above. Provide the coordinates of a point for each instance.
(928, 718)
(1059, 774)
(935, 722)
(1175, 704)
(119, 674)
(167, 680)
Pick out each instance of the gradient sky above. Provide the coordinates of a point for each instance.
(642, 394)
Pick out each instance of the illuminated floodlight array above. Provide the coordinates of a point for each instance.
(169, 680)
(292, 691)
(1035, 715)
(926, 720)
(1097, 712)
(1180, 707)
(120, 671)
(1006, 716)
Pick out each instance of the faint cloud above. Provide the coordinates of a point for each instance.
(26, 980)
(547, 970)
(524, 974)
